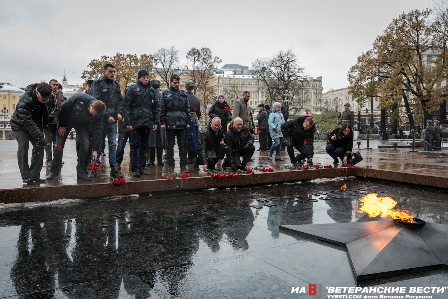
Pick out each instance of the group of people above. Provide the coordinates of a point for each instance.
(152, 121)
(433, 136)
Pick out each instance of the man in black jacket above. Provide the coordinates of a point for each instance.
(299, 134)
(210, 145)
(107, 90)
(28, 123)
(239, 142)
(53, 112)
(175, 118)
(262, 118)
(81, 112)
(139, 118)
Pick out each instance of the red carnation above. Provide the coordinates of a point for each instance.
(57, 146)
(119, 181)
(228, 109)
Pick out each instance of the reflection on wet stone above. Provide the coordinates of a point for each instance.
(162, 246)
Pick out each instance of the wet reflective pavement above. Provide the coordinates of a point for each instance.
(205, 244)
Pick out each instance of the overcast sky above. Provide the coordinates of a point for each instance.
(39, 39)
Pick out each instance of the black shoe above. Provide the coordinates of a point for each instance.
(184, 169)
(150, 164)
(196, 167)
(259, 149)
(39, 180)
(52, 176)
(279, 159)
(84, 177)
(27, 181)
(310, 162)
(104, 155)
(171, 169)
(335, 162)
(136, 174)
(160, 164)
(143, 172)
(243, 167)
(115, 174)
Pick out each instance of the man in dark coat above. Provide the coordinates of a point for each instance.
(156, 141)
(437, 136)
(107, 90)
(53, 113)
(347, 116)
(299, 133)
(195, 115)
(262, 118)
(429, 136)
(175, 118)
(28, 123)
(81, 112)
(239, 142)
(210, 145)
(140, 118)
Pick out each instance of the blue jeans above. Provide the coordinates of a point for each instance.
(139, 143)
(122, 140)
(335, 152)
(304, 152)
(170, 136)
(111, 133)
(276, 146)
(83, 137)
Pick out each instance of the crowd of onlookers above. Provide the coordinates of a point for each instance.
(153, 122)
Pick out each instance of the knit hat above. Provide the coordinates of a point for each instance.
(277, 105)
(219, 96)
(142, 73)
(347, 104)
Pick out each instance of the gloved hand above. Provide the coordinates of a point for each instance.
(41, 142)
(234, 168)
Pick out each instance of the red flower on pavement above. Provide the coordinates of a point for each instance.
(57, 146)
(119, 181)
(306, 167)
(350, 166)
(249, 171)
(298, 168)
(316, 166)
(328, 166)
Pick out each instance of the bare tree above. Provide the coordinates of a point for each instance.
(201, 65)
(279, 74)
(166, 63)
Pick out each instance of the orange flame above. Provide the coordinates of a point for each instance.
(383, 206)
(343, 187)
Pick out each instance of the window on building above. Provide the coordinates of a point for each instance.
(13, 97)
(4, 97)
(13, 107)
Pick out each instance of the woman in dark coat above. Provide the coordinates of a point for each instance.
(340, 143)
(222, 110)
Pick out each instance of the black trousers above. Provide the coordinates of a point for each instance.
(29, 171)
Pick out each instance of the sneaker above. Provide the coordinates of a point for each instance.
(52, 176)
(136, 174)
(84, 177)
(279, 159)
(144, 172)
(270, 156)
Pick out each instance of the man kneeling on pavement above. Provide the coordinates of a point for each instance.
(239, 142)
(210, 145)
(299, 133)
